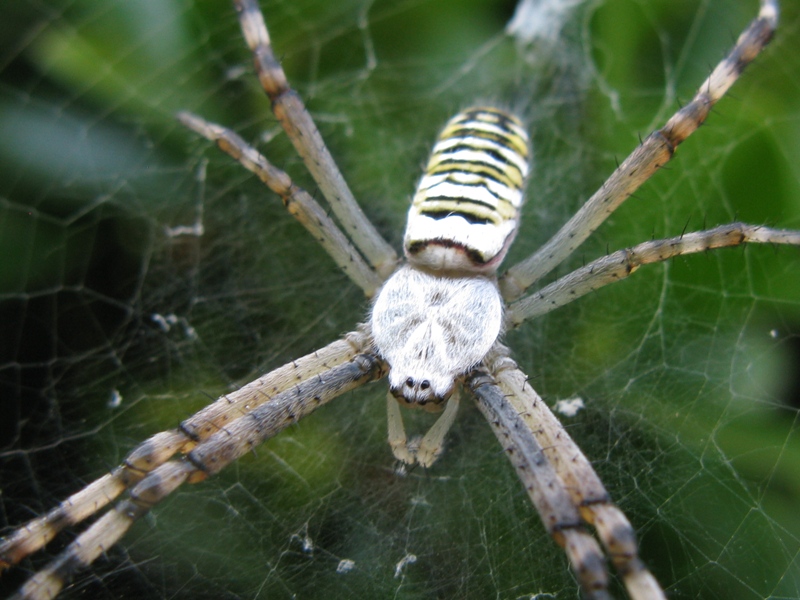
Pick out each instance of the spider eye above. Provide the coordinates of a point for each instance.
(413, 391)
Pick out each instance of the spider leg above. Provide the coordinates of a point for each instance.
(160, 447)
(424, 451)
(398, 440)
(546, 490)
(578, 477)
(653, 153)
(35, 534)
(432, 443)
(296, 200)
(296, 121)
(622, 263)
(207, 458)
(104, 533)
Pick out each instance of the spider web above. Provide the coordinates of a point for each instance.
(143, 274)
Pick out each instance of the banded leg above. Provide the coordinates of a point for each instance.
(160, 447)
(653, 153)
(296, 200)
(579, 478)
(296, 121)
(622, 263)
(543, 485)
(207, 458)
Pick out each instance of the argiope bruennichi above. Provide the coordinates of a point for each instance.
(434, 326)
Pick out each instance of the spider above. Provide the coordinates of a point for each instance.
(558, 478)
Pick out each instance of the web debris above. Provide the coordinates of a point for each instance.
(569, 407)
(345, 566)
(540, 20)
(408, 559)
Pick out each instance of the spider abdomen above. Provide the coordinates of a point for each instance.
(465, 212)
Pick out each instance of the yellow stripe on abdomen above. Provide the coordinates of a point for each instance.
(466, 208)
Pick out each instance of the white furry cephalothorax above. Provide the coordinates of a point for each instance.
(432, 328)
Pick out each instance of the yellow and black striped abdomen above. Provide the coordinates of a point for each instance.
(466, 209)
